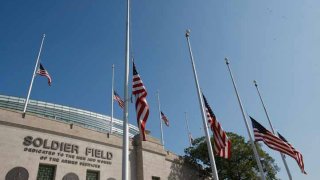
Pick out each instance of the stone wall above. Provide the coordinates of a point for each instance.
(30, 141)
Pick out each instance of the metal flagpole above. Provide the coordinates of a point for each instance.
(112, 97)
(33, 75)
(162, 140)
(273, 131)
(205, 125)
(247, 125)
(125, 144)
(189, 134)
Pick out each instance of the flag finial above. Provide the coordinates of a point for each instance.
(188, 32)
(44, 35)
(255, 83)
(227, 61)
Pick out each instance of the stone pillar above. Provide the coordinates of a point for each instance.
(150, 158)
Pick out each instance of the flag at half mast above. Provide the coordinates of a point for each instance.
(272, 141)
(222, 144)
(118, 99)
(43, 72)
(298, 156)
(141, 104)
(165, 119)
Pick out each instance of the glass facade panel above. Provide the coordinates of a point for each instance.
(79, 117)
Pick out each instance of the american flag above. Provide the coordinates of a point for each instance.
(272, 141)
(298, 156)
(42, 72)
(142, 107)
(222, 144)
(165, 119)
(118, 99)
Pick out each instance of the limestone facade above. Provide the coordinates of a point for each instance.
(33, 141)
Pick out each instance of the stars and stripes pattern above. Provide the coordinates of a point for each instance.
(118, 99)
(43, 72)
(222, 144)
(142, 107)
(164, 118)
(298, 156)
(272, 141)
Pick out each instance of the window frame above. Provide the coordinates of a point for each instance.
(94, 171)
(48, 165)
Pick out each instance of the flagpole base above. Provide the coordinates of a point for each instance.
(23, 115)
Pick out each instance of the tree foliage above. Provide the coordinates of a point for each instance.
(241, 165)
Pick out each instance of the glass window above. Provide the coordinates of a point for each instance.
(155, 178)
(46, 172)
(92, 175)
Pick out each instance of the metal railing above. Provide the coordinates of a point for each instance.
(83, 118)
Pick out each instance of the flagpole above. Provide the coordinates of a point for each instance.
(159, 107)
(33, 75)
(112, 97)
(189, 134)
(125, 144)
(273, 131)
(205, 125)
(246, 123)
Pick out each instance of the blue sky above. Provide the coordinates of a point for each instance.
(274, 42)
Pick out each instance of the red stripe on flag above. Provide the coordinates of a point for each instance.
(142, 107)
(222, 145)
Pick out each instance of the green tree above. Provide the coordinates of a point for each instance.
(241, 165)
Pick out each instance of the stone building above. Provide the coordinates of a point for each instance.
(55, 142)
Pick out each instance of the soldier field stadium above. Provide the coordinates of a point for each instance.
(56, 142)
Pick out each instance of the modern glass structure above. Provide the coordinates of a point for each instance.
(86, 119)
